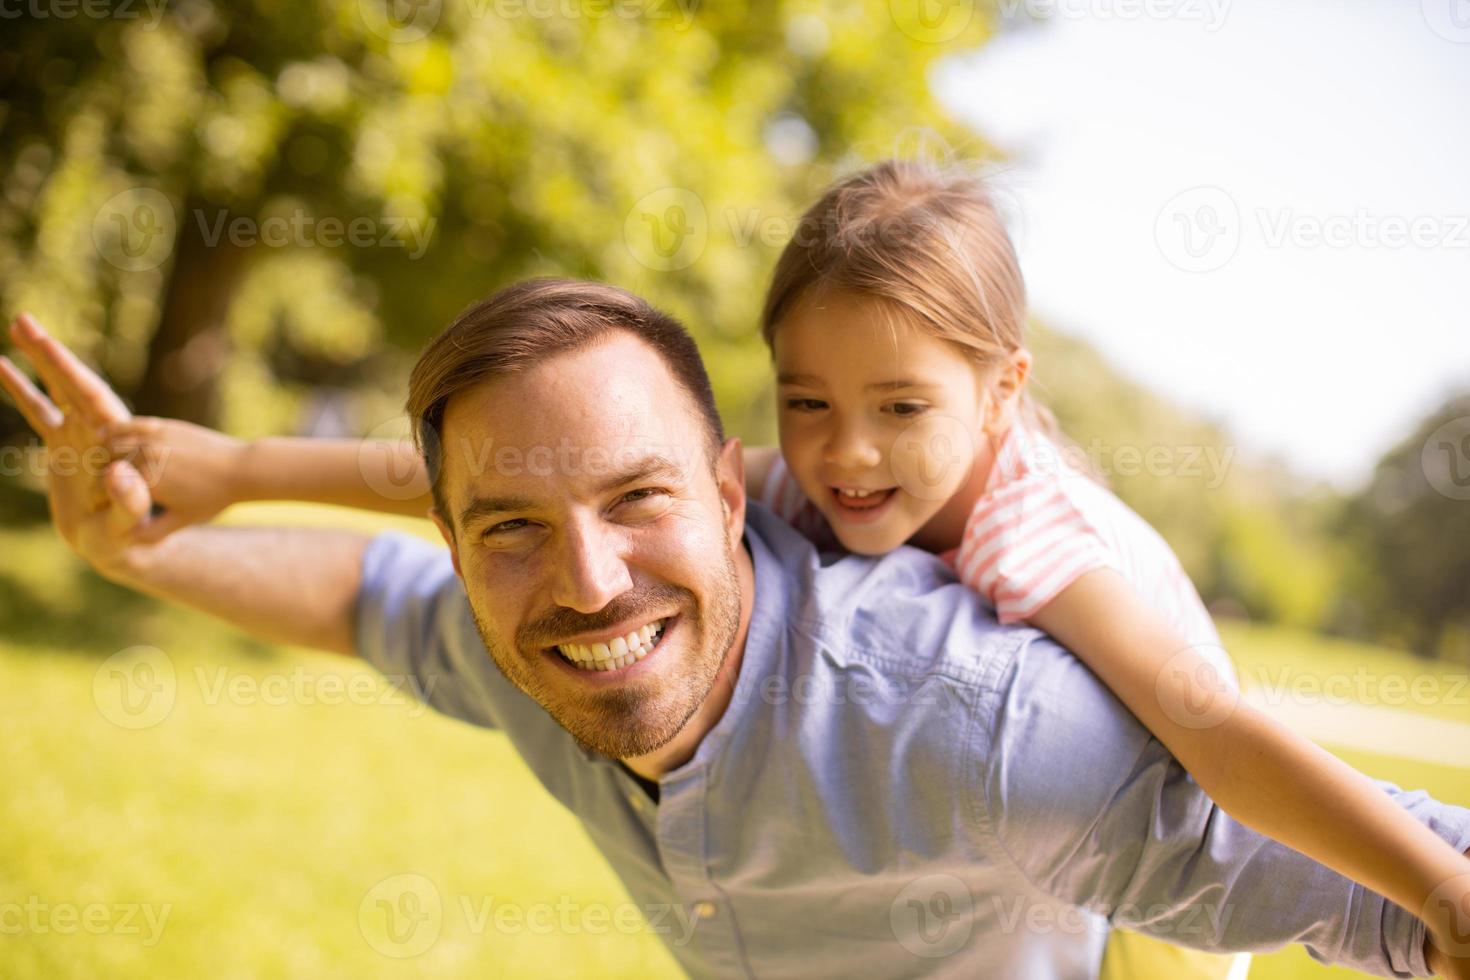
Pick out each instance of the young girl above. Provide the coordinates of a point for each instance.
(895, 321)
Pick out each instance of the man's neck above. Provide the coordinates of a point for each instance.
(680, 749)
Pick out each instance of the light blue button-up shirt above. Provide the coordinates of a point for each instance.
(899, 787)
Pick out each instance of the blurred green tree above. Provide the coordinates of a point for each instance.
(1409, 530)
(178, 180)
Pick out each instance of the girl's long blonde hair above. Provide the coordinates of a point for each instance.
(926, 242)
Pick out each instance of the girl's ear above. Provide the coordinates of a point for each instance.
(1007, 382)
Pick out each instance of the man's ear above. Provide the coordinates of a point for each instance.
(1006, 384)
(444, 530)
(730, 475)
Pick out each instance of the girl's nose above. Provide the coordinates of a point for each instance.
(850, 449)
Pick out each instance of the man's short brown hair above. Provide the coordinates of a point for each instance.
(526, 323)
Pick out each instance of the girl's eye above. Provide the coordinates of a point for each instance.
(805, 404)
(908, 408)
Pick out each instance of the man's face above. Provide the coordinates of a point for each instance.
(595, 543)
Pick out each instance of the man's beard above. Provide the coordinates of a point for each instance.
(636, 717)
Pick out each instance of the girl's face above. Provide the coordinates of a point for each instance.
(882, 425)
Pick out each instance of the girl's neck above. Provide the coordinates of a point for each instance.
(946, 528)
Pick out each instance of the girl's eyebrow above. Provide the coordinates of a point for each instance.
(900, 383)
(812, 381)
(803, 380)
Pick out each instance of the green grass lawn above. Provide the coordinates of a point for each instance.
(267, 812)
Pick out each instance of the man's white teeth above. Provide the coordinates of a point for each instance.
(620, 653)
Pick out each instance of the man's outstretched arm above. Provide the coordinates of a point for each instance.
(296, 585)
(282, 585)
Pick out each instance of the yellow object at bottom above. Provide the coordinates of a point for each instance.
(1131, 956)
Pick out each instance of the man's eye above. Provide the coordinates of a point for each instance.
(644, 493)
(908, 409)
(805, 404)
(506, 526)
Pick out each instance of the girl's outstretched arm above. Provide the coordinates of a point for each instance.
(195, 472)
(1261, 773)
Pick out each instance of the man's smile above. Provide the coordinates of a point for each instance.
(614, 656)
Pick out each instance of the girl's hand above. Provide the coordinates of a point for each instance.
(192, 471)
(98, 504)
(1447, 916)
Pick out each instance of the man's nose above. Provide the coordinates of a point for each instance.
(590, 571)
(850, 447)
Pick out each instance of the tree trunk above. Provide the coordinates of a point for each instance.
(190, 346)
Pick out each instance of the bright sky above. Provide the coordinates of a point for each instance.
(1312, 288)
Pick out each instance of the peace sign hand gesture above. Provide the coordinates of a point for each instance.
(99, 504)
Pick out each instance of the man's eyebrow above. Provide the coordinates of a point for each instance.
(485, 506)
(653, 466)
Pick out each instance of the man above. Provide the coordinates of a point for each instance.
(819, 765)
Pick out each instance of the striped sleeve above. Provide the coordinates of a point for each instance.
(781, 494)
(786, 500)
(1025, 543)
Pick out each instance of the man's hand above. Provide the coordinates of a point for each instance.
(100, 505)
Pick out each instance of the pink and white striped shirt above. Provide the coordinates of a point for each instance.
(1039, 526)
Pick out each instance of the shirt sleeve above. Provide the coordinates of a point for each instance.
(1095, 813)
(412, 623)
(1025, 543)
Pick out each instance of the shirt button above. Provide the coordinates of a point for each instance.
(705, 910)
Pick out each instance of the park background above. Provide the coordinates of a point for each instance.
(1243, 225)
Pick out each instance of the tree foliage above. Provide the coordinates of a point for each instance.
(657, 144)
